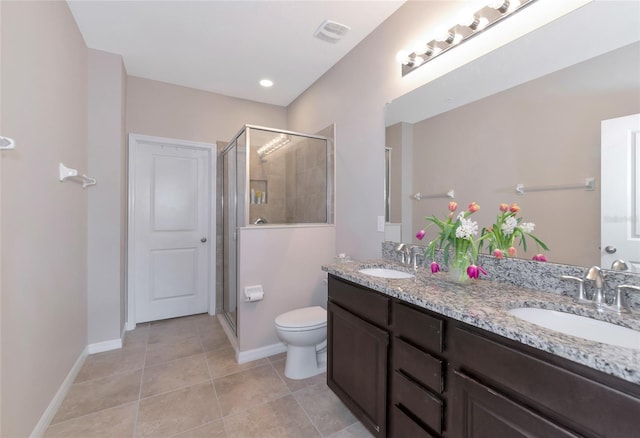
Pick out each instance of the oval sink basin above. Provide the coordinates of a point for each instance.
(580, 326)
(386, 273)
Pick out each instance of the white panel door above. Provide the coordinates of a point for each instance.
(620, 203)
(171, 225)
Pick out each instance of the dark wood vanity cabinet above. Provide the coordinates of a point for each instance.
(407, 372)
(504, 388)
(358, 351)
(417, 373)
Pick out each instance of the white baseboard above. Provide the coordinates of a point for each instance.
(99, 347)
(130, 326)
(53, 407)
(260, 353)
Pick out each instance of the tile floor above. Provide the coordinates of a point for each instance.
(179, 378)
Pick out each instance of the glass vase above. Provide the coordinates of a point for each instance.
(458, 267)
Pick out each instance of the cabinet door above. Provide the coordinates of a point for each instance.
(357, 366)
(480, 412)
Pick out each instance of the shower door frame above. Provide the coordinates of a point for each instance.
(329, 172)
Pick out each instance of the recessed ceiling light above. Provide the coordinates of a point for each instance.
(266, 83)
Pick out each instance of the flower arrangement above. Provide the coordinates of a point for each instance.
(501, 236)
(456, 236)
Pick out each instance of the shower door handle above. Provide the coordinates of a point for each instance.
(203, 240)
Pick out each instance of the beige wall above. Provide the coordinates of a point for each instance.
(165, 110)
(106, 151)
(44, 221)
(544, 132)
(288, 267)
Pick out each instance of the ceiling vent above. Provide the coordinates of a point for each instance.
(331, 31)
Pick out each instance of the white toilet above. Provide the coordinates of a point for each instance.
(305, 333)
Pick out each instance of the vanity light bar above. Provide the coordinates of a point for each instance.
(470, 25)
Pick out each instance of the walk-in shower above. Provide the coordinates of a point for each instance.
(270, 177)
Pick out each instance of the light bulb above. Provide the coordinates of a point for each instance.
(442, 34)
(499, 5)
(466, 18)
(403, 57)
(420, 47)
(266, 83)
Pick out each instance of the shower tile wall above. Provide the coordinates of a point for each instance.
(306, 185)
(272, 170)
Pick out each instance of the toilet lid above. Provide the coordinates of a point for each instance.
(305, 317)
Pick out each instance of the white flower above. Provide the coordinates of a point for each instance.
(509, 225)
(466, 229)
(527, 227)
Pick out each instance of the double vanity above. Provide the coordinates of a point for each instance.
(415, 355)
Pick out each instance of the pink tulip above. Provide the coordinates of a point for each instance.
(539, 258)
(504, 207)
(473, 207)
(514, 208)
(420, 234)
(474, 271)
(512, 251)
(453, 206)
(498, 253)
(435, 267)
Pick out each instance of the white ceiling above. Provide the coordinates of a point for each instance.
(227, 46)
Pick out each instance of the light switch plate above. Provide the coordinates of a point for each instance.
(381, 224)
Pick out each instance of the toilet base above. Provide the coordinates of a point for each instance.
(302, 362)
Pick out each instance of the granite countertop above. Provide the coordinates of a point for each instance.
(484, 304)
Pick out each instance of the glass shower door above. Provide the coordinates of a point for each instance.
(229, 212)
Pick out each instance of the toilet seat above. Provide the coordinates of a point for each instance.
(306, 318)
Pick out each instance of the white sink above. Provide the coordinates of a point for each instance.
(580, 326)
(386, 273)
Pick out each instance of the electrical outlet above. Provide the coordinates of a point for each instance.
(381, 224)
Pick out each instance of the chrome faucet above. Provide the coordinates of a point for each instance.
(618, 303)
(595, 274)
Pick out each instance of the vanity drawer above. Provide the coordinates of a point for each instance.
(420, 366)
(405, 427)
(363, 302)
(418, 328)
(420, 402)
(588, 406)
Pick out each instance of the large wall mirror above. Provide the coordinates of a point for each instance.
(528, 113)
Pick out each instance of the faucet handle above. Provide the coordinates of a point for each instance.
(619, 302)
(582, 296)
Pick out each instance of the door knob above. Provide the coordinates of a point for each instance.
(203, 240)
(610, 249)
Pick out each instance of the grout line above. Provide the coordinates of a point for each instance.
(172, 390)
(93, 413)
